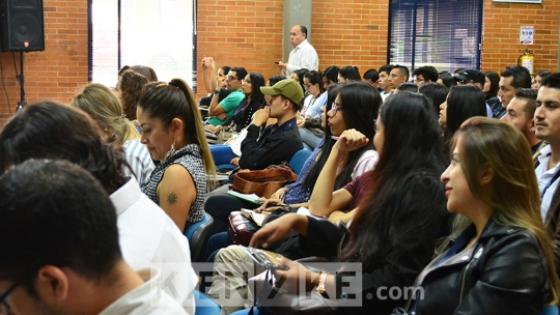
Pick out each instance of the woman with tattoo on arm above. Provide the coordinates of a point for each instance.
(173, 132)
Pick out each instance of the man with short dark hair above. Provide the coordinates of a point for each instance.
(371, 77)
(547, 128)
(511, 79)
(399, 74)
(222, 110)
(424, 75)
(303, 55)
(274, 144)
(383, 82)
(61, 248)
(520, 112)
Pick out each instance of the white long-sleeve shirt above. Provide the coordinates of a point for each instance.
(302, 56)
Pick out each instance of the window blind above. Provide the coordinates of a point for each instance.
(443, 33)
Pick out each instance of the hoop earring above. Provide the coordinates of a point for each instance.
(170, 152)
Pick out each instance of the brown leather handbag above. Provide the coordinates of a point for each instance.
(263, 183)
(241, 228)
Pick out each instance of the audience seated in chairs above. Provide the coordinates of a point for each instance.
(147, 236)
(357, 108)
(403, 194)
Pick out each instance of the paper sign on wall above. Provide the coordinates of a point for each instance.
(527, 35)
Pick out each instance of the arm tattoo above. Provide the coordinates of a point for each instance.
(171, 198)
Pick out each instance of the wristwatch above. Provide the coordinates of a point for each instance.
(321, 285)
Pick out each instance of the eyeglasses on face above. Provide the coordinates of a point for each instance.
(335, 108)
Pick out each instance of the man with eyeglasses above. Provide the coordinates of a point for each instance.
(222, 111)
(61, 252)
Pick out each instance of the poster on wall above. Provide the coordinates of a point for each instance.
(520, 1)
(526, 35)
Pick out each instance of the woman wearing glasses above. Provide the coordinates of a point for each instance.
(309, 120)
(172, 130)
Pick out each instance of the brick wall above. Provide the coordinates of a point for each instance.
(56, 72)
(240, 33)
(501, 34)
(351, 32)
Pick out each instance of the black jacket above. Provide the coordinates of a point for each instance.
(411, 225)
(552, 224)
(503, 273)
(276, 144)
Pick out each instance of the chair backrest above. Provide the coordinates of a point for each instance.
(298, 159)
(550, 310)
(197, 234)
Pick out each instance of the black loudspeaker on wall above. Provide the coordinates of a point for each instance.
(21, 25)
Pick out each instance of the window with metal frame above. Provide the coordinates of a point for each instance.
(156, 33)
(443, 33)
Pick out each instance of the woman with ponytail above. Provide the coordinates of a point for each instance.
(106, 110)
(172, 130)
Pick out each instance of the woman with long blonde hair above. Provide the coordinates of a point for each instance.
(173, 132)
(101, 104)
(499, 260)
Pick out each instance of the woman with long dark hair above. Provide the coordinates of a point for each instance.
(349, 73)
(397, 223)
(463, 102)
(254, 100)
(490, 89)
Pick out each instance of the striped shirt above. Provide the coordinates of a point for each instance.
(139, 161)
(190, 158)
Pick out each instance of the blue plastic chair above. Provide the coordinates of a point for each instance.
(222, 155)
(550, 310)
(197, 234)
(205, 305)
(298, 159)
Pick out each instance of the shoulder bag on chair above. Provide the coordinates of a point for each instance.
(263, 183)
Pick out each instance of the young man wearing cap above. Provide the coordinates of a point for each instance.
(274, 144)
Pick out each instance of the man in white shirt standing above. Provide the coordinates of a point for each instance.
(303, 55)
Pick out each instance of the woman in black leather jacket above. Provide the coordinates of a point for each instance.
(502, 262)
